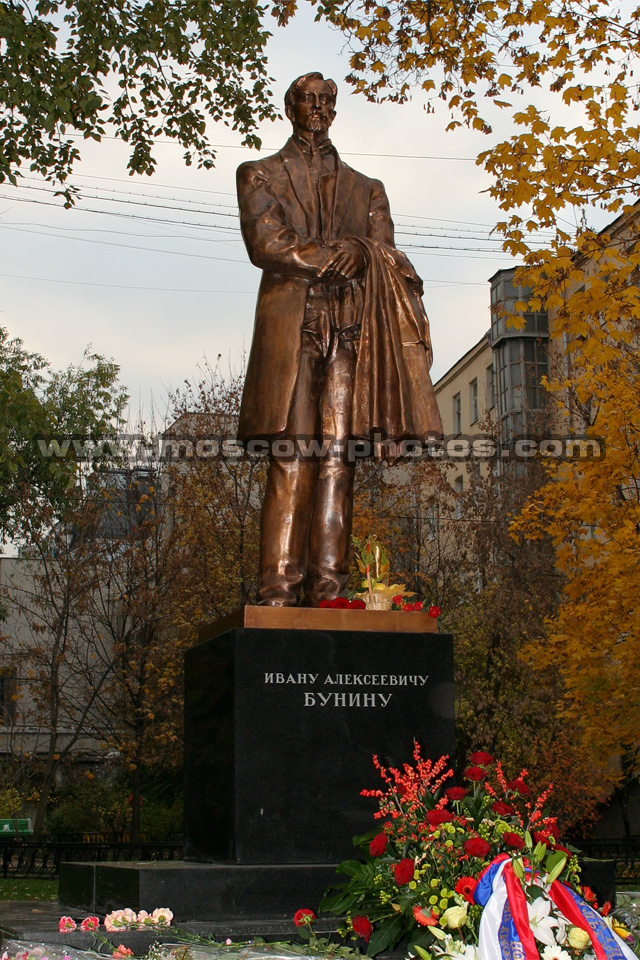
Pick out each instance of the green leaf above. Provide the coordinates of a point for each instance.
(352, 868)
(387, 934)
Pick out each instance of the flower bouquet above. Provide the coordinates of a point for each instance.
(474, 872)
(375, 590)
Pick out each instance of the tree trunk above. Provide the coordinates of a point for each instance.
(136, 801)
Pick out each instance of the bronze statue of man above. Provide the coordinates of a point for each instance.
(341, 349)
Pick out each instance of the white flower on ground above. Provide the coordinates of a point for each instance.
(555, 953)
(541, 923)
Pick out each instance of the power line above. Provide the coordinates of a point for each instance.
(120, 286)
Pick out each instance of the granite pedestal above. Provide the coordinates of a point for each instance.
(284, 709)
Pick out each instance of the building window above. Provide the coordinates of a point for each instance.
(521, 365)
(457, 414)
(473, 399)
(491, 388)
(458, 487)
(432, 523)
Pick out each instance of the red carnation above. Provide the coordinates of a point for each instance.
(362, 927)
(341, 603)
(434, 611)
(481, 758)
(588, 894)
(476, 847)
(466, 886)
(456, 793)
(303, 917)
(403, 871)
(407, 607)
(436, 817)
(378, 845)
(418, 605)
(475, 773)
(513, 840)
(606, 909)
(326, 603)
(501, 808)
(358, 604)
(520, 786)
(397, 600)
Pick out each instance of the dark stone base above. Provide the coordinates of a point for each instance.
(197, 891)
(281, 726)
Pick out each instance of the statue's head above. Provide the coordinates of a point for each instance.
(310, 103)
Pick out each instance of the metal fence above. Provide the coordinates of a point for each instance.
(42, 859)
(624, 853)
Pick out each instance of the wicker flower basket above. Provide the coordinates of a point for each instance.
(377, 602)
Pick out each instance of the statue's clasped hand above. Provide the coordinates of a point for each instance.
(345, 263)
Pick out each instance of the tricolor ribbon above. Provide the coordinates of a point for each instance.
(505, 932)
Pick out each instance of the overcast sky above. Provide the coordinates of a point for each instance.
(153, 273)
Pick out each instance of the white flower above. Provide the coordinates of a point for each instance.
(541, 923)
(555, 953)
(455, 917)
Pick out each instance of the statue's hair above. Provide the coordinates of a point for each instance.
(291, 92)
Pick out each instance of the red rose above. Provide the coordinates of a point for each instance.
(434, 611)
(476, 847)
(362, 927)
(341, 603)
(407, 607)
(436, 817)
(423, 917)
(475, 773)
(358, 604)
(418, 605)
(397, 600)
(481, 758)
(501, 808)
(552, 830)
(378, 845)
(403, 871)
(303, 917)
(513, 840)
(326, 603)
(520, 786)
(466, 886)
(456, 793)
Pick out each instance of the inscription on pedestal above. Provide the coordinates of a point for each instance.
(281, 727)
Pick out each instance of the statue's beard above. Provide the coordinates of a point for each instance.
(317, 123)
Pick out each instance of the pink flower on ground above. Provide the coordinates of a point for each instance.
(66, 925)
(122, 951)
(89, 924)
(162, 916)
(118, 919)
